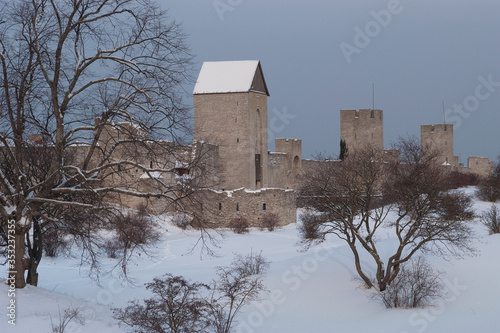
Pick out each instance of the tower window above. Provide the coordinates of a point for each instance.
(237, 139)
(264, 207)
(372, 114)
(237, 207)
(258, 171)
(220, 205)
(235, 119)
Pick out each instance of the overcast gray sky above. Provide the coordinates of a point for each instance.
(321, 56)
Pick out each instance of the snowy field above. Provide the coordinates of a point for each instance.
(313, 291)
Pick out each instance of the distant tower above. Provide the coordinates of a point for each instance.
(293, 149)
(230, 110)
(440, 137)
(362, 128)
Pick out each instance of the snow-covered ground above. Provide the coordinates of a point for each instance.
(313, 291)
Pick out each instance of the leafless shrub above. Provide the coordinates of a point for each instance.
(53, 243)
(177, 306)
(135, 228)
(234, 288)
(458, 179)
(416, 285)
(270, 221)
(181, 306)
(133, 231)
(239, 225)
(309, 228)
(250, 264)
(491, 219)
(489, 189)
(181, 221)
(112, 247)
(69, 315)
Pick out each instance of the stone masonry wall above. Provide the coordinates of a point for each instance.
(361, 128)
(440, 136)
(480, 166)
(224, 206)
(237, 123)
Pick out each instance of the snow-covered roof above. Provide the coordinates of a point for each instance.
(230, 76)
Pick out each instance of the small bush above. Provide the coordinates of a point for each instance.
(239, 225)
(458, 179)
(489, 189)
(69, 315)
(181, 221)
(416, 285)
(135, 229)
(53, 243)
(310, 225)
(270, 221)
(250, 264)
(491, 219)
(112, 247)
(177, 305)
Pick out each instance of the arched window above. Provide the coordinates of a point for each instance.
(296, 164)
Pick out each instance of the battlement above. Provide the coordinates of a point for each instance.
(362, 114)
(289, 146)
(437, 128)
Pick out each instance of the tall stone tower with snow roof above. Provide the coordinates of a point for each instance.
(230, 110)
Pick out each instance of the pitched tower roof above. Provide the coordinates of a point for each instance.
(230, 76)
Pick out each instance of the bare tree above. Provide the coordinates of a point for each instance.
(64, 64)
(236, 286)
(356, 198)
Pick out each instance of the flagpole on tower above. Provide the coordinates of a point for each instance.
(373, 96)
(444, 115)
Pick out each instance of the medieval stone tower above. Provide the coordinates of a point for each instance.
(440, 137)
(230, 110)
(361, 128)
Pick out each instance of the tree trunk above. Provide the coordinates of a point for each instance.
(35, 253)
(357, 262)
(20, 262)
